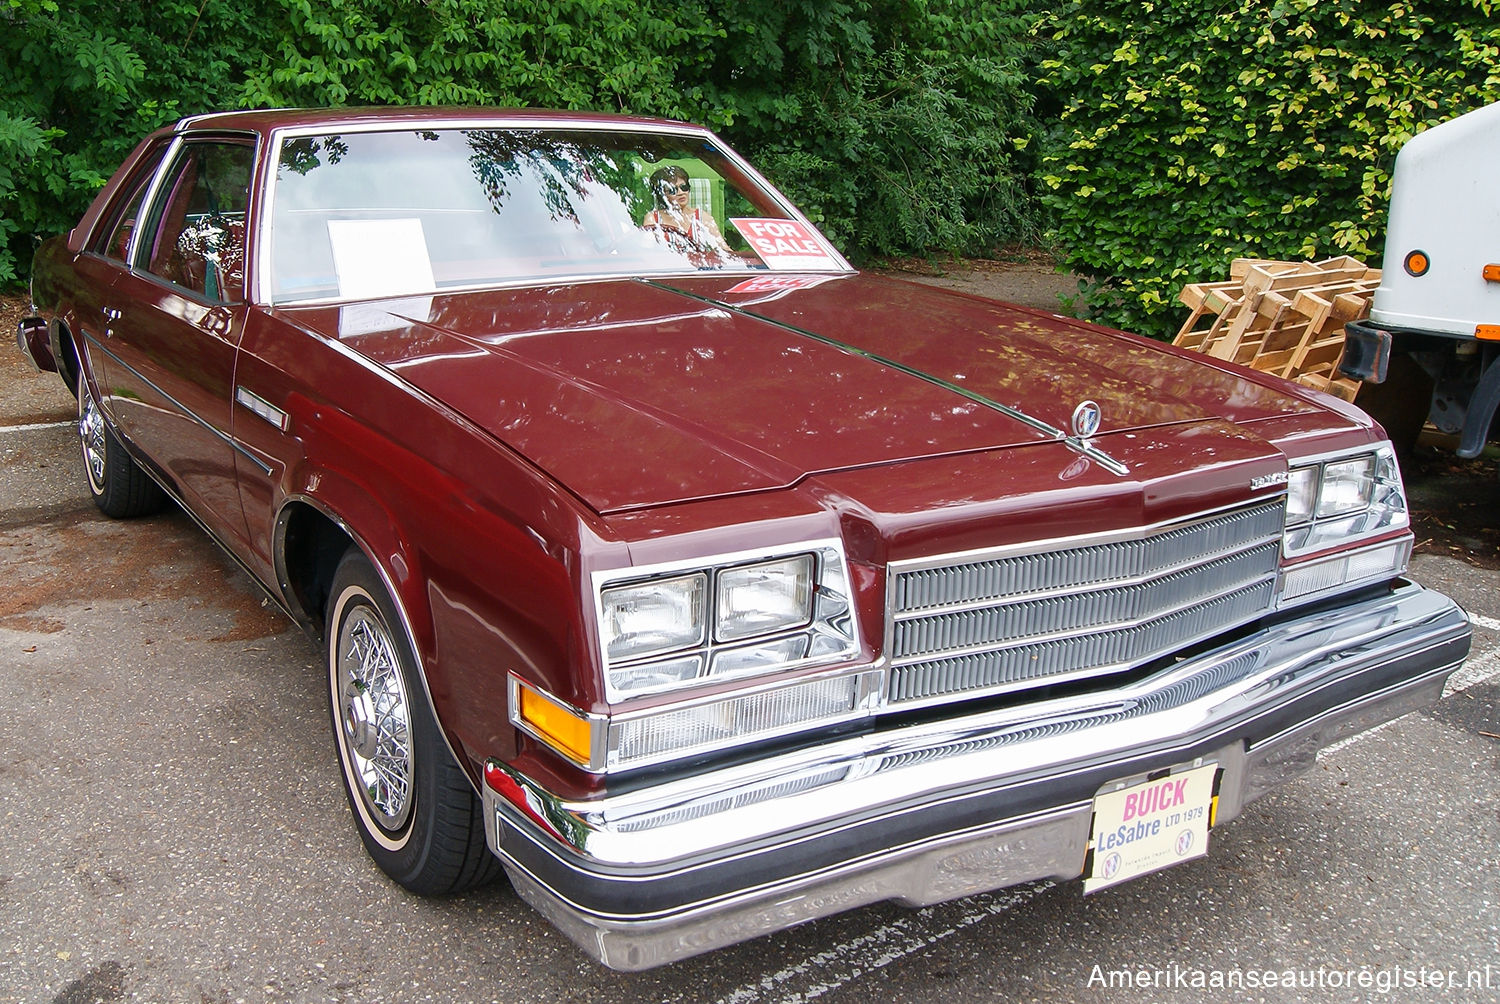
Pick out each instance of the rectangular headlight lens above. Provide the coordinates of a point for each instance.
(1347, 486)
(1301, 494)
(764, 598)
(645, 677)
(662, 615)
(1339, 504)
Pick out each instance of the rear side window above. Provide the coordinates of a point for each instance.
(113, 239)
(195, 237)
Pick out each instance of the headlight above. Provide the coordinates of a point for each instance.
(658, 616)
(758, 599)
(732, 616)
(748, 616)
(1341, 503)
(1347, 486)
(1301, 494)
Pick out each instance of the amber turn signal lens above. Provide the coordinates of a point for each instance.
(562, 729)
(1489, 332)
(1416, 263)
(1492, 273)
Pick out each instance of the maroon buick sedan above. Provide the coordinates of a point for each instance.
(698, 582)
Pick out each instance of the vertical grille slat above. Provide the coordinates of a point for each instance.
(993, 624)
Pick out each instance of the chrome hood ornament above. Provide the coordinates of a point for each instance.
(1086, 419)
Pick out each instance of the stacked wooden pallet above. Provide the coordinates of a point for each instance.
(1282, 317)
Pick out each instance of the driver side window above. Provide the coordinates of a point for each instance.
(195, 236)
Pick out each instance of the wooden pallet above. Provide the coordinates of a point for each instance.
(1282, 317)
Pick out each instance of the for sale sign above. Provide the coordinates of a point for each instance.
(779, 283)
(785, 244)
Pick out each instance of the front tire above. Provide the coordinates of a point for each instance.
(415, 809)
(118, 485)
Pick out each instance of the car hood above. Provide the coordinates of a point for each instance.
(636, 393)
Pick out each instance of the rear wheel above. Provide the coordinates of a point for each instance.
(120, 488)
(415, 809)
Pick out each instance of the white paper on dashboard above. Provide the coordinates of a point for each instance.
(380, 257)
(387, 315)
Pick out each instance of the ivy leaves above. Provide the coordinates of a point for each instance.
(1192, 133)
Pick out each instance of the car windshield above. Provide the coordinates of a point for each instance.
(367, 214)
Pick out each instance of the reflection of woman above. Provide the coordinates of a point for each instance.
(679, 226)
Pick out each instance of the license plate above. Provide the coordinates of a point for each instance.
(1150, 825)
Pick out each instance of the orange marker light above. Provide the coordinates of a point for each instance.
(1492, 273)
(1489, 332)
(561, 727)
(1417, 263)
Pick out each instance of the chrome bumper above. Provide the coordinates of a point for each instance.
(933, 811)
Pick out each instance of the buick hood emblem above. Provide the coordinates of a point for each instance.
(1086, 419)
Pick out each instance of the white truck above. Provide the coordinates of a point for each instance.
(1436, 316)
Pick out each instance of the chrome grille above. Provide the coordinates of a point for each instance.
(987, 625)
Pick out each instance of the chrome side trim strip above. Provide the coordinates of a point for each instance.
(187, 412)
(148, 202)
(1052, 432)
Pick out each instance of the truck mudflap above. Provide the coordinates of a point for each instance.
(937, 810)
(1367, 352)
(1481, 410)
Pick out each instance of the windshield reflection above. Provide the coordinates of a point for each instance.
(413, 212)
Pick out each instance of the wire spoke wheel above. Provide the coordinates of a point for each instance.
(118, 485)
(417, 812)
(91, 435)
(375, 716)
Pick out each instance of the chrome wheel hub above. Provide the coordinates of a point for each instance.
(91, 434)
(374, 717)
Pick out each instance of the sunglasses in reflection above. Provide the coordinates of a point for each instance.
(681, 186)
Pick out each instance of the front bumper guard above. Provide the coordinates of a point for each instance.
(931, 812)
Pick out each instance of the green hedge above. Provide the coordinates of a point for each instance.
(892, 123)
(1172, 137)
(1188, 133)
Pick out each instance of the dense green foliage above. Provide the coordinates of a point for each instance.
(1191, 132)
(897, 126)
(891, 123)
(1171, 137)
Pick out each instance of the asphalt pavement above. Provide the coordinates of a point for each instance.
(174, 829)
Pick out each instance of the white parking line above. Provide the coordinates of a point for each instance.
(841, 964)
(1479, 669)
(1488, 623)
(35, 428)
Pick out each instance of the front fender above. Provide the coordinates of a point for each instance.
(359, 512)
